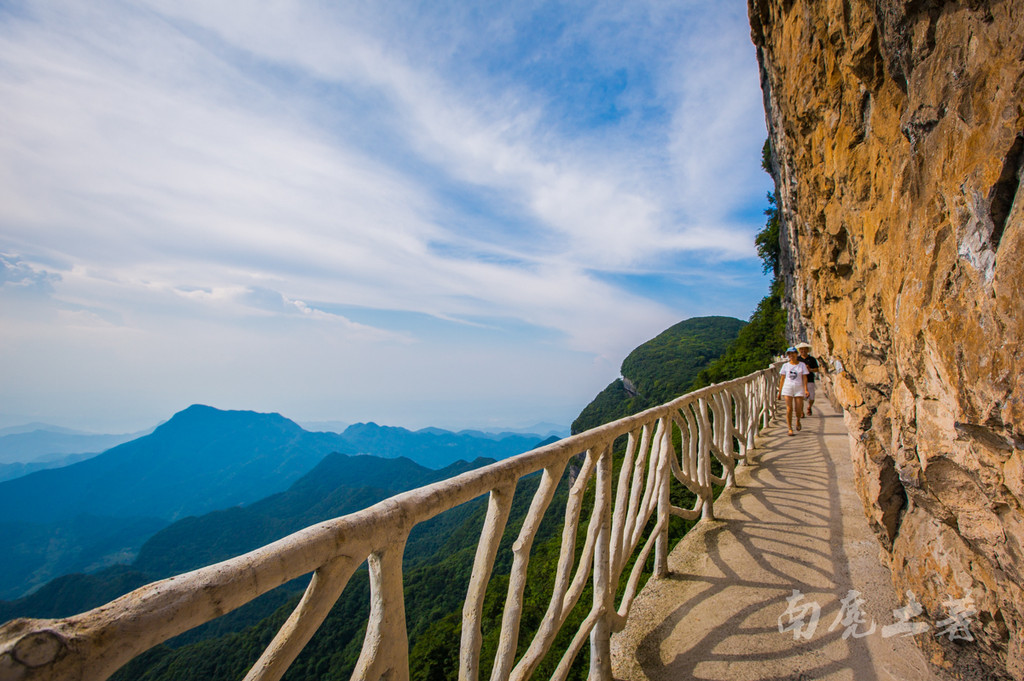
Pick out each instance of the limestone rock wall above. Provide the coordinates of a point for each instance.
(898, 138)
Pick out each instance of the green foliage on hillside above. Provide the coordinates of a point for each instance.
(661, 369)
(611, 404)
(767, 240)
(74, 593)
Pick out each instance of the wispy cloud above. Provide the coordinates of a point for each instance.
(201, 166)
(24, 278)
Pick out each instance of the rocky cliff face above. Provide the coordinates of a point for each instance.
(897, 130)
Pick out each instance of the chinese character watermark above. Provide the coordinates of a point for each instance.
(801, 617)
(851, 616)
(796, 614)
(904, 626)
(956, 626)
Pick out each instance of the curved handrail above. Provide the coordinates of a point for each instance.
(93, 645)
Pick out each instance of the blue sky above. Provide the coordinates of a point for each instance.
(448, 213)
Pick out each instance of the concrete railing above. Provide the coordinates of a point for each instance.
(719, 421)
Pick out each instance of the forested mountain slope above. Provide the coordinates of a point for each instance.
(661, 369)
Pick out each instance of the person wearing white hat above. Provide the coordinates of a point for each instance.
(793, 386)
(812, 365)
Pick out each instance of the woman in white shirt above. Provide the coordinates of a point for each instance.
(793, 386)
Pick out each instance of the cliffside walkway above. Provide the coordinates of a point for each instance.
(794, 522)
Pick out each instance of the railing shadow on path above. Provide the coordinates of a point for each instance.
(742, 590)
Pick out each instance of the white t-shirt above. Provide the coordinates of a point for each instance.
(794, 385)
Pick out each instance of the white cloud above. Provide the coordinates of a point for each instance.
(19, 277)
(206, 170)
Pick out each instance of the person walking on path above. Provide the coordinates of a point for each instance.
(793, 386)
(812, 365)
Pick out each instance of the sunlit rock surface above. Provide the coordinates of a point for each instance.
(898, 137)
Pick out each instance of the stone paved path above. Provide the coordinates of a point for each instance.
(794, 523)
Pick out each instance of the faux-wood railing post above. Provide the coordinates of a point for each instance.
(385, 651)
(498, 506)
(770, 390)
(604, 589)
(723, 431)
(508, 640)
(704, 460)
(753, 393)
(767, 402)
(323, 591)
(665, 450)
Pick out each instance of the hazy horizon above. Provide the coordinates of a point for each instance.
(11, 427)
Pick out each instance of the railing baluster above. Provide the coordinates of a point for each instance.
(635, 492)
(620, 515)
(737, 400)
(637, 572)
(651, 489)
(579, 580)
(498, 506)
(743, 405)
(720, 447)
(565, 664)
(561, 605)
(641, 482)
(757, 401)
(693, 442)
(565, 593)
(729, 458)
(666, 457)
(385, 653)
(323, 591)
(509, 639)
(704, 460)
(604, 589)
(676, 471)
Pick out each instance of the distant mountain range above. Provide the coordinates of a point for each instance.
(39, 446)
(200, 460)
(99, 511)
(43, 443)
(545, 429)
(9, 471)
